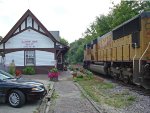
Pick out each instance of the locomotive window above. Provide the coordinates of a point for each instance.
(126, 29)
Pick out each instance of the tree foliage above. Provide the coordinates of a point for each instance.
(104, 23)
(64, 41)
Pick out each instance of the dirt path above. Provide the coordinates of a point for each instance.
(69, 99)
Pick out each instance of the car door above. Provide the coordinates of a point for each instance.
(2, 95)
(2, 84)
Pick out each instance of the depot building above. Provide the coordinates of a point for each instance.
(29, 43)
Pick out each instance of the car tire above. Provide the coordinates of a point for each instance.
(16, 98)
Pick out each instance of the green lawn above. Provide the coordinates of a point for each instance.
(100, 92)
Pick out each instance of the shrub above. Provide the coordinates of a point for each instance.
(80, 76)
(53, 70)
(29, 71)
(12, 70)
(71, 68)
(89, 74)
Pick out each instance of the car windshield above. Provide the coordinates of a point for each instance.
(5, 75)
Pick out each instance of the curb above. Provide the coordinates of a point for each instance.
(48, 98)
(88, 97)
(45, 103)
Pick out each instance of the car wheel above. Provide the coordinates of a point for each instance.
(16, 98)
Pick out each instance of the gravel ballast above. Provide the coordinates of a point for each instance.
(140, 105)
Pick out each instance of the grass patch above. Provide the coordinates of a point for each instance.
(53, 102)
(54, 95)
(98, 90)
(120, 100)
(49, 86)
(104, 85)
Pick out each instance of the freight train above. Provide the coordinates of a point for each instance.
(124, 52)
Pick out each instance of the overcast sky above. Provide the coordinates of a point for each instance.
(70, 17)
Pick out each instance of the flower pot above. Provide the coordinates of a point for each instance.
(55, 79)
(53, 76)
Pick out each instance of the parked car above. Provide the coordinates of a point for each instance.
(16, 91)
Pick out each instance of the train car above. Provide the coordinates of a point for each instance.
(124, 52)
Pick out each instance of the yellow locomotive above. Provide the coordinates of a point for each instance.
(124, 52)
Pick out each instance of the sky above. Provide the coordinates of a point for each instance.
(70, 17)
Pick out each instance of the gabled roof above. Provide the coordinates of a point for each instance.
(21, 20)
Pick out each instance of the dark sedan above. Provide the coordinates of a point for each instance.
(16, 91)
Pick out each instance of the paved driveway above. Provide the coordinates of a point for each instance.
(29, 107)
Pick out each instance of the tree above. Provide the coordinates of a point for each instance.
(102, 24)
(63, 41)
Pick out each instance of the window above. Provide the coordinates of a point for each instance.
(29, 58)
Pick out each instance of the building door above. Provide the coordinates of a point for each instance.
(60, 62)
(29, 58)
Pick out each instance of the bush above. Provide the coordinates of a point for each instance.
(29, 71)
(80, 76)
(71, 68)
(89, 74)
(12, 70)
(53, 70)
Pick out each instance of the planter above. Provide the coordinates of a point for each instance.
(55, 79)
(53, 76)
